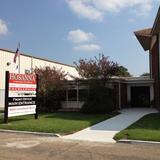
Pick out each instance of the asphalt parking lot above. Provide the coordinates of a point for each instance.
(31, 147)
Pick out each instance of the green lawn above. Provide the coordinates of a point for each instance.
(62, 123)
(147, 128)
(1, 111)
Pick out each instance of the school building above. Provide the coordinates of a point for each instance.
(130, 91)
(25, 64)
(149, 39)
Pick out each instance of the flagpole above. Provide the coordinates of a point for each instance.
(19, 61)
(17, 55)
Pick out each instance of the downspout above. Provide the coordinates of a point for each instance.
(150, 63)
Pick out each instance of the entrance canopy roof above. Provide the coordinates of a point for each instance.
(144, 37)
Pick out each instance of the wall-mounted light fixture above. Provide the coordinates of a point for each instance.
(8, 63)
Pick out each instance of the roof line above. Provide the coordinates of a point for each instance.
(144, 38)
(155, 22)
(11, 51)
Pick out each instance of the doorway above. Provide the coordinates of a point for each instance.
(140, 96)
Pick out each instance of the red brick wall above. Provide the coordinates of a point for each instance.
(155, 73)
(155, 57)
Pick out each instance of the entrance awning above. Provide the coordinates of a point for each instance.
(144, 37)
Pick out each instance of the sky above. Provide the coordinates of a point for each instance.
(67, 30)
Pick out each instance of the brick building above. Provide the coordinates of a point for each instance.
(150, 41)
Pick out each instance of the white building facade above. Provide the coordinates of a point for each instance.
(26, 64)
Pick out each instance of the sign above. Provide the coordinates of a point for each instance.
(21, 95)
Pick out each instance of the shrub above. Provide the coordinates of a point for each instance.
(51, 101)
(99, 100)
(50, 88)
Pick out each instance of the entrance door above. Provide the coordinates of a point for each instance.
(140, 96)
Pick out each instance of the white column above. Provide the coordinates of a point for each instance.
(119, 90)
(151, 93)
(67, 97)
(77, 95)
(128, 93)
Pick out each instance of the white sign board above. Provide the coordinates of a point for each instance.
(21, 94)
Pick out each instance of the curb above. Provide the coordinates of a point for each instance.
(31, 133)
(137, 142)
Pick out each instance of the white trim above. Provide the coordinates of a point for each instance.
(151, 93)
(128, 93)
(153, 41)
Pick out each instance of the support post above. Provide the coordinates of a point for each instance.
(67, 96)
(151, 95)
(128, 93)
(77, 95)
(6, 97)
(37, 97)
(119, 90)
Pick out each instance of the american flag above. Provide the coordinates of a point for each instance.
(17, 54)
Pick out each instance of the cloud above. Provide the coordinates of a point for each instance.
(131, 20)
(3, 28)
(79, 36)
(118, 5)
(96, 9)
(87, 47)
(85, 10)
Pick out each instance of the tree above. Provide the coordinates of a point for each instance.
(100, 98)
(50, 87)
(101, 67)
(50, 78)
(123, 72)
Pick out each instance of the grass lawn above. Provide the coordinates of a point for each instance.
(147, 128)
(1, 111)
(62, 123)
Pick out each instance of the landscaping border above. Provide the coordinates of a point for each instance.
(137, 142)
(31, 133)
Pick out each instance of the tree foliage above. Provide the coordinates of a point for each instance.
(50, 87)
(123, 72)
(50, 78)
(100, 99)
(100, 67)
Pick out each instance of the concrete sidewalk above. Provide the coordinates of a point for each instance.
(105, 131)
